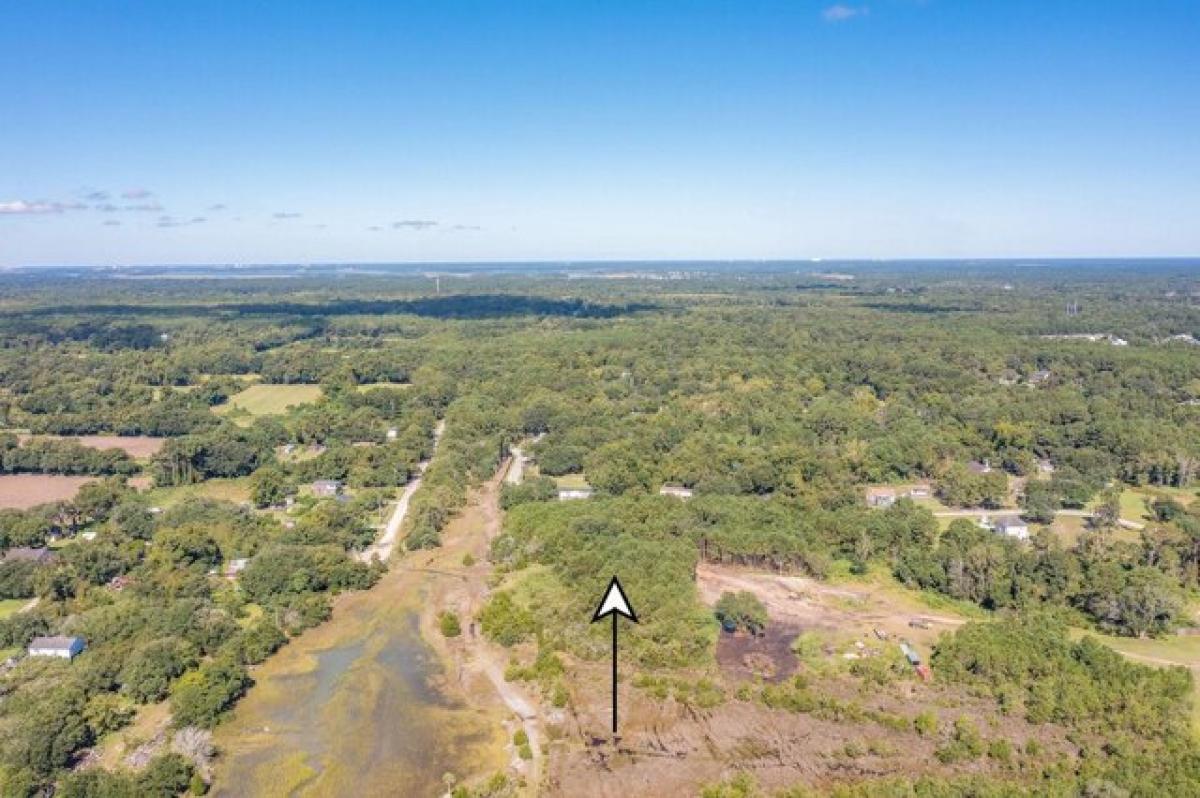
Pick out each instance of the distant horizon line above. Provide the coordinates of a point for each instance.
(568, 262)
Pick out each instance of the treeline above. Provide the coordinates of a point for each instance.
(50, 456)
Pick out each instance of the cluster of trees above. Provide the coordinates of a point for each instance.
(171, 629)
(1130, 720)
(53, 456)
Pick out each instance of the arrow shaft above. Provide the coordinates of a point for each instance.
(614, 674)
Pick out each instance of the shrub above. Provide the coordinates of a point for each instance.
(448, 622)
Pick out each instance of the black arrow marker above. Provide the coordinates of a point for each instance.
(614, 603)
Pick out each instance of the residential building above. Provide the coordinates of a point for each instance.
(326, 488)
(235, 567)
(65, 647)
(1013, 527)
(678, 491)
(881, 497)
(40, 555)
(566, 494)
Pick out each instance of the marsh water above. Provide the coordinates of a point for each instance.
(352, 707)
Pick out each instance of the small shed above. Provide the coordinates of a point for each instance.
(881, 497)
(235, 567)
(64, 647)
(675, 490)
(567, 494)
(326, 488)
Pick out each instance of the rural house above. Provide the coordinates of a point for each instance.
(41, 556)
(326, 488)
(1013, 527)
(566, 494)
(881, 497)
(677, 491)
(919, 491)
(235, 567)
(65, 647)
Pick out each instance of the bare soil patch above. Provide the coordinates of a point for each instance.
(22, 491)
(853, 610)
(768, 656)
(139, 447)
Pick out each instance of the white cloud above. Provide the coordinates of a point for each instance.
(31, 207)
(840, 13)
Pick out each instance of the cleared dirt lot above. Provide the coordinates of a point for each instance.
(138, 447)
(22, 491)
(854, 610)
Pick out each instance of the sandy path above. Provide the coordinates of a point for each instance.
(382, 548)
(492, 659)
(477, 665)
(516, 469)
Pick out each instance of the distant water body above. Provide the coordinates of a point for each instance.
(1016, 267)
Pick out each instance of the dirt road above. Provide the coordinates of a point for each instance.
(516, 469)
(383, 547)
(996, 513)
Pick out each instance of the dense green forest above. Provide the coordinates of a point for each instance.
(776, 396)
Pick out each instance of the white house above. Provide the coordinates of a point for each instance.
(1013, 527)
(326, 487)
(881, 497)
(566, 494)
(65, 647)
(678, 491)
(392, 433)
(235, 567)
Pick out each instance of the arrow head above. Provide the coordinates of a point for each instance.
(615, 602)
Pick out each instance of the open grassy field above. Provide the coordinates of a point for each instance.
(1135, 501)
(150, 721)
(366, 386)
(8, 607)
(268, 400)
(230, 490)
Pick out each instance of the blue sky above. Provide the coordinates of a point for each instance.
(191, 132)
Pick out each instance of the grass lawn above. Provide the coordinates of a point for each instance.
(1135, 501)
(230, 490)
(8, 607)
(149, 721)
(251, 614)
(1070, 529)
(932, 504)
(572, 481)
(268, 400)
(366, 386)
